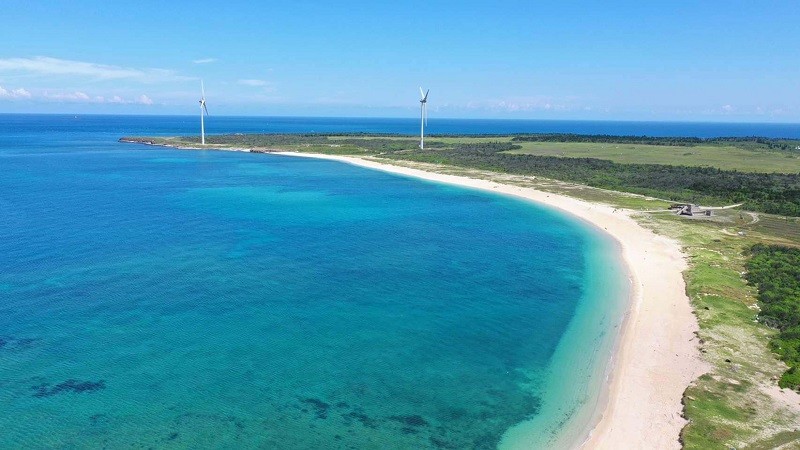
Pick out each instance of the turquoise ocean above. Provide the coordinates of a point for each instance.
(159, 298)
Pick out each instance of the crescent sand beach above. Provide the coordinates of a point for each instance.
(688, 363)
(691, 365)
(656, 355)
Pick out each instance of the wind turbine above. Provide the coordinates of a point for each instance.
(203, 111)
(423, 113)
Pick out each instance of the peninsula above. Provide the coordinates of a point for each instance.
(693, 366)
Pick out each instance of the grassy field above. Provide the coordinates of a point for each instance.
(726, 157)
(737, 403)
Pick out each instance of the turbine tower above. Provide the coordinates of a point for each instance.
(423, 113)
(203, 111)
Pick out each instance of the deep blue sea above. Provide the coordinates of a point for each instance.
(161, 298)
(115, 126)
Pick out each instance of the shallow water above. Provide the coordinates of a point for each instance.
(157, 297)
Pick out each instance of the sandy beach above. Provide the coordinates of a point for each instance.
(657, 352)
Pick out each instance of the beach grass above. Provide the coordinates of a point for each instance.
(731, 404)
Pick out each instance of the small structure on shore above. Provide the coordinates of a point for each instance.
(689, 209)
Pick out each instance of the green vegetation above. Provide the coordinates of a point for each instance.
(771, 193)
(771, 144)
(731, 406)
(722, 156)
(743, 154)
(776, 272)
(607, 138)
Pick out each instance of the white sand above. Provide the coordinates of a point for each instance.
(657, 355)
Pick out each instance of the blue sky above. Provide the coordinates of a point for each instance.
(612, 60)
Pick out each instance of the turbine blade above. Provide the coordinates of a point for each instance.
(204, 108)
(202, 89)
(425, 99)
(421, 93)
(426, 113)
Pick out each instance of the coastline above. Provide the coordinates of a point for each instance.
(655, 355)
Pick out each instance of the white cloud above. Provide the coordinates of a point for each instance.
(204, 60)
(42, 65)
(76, 96)
(144, 100)
(252, 82)
(528, 104)
(20, 93)
(82, 97)
(522, 105)
(14, 93)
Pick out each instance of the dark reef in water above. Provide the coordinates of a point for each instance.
(320, 407)
(410, 421)
(441, 443)
(486, 426)
(360, 417)
(11, 343)
(47, 390)
(190, 418)
(99, 420)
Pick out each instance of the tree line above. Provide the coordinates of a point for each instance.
(775, 271)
